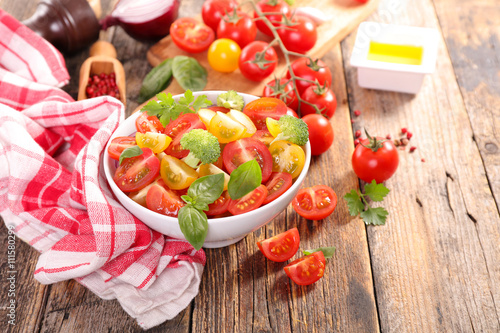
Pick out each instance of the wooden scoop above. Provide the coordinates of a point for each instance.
(102, 60)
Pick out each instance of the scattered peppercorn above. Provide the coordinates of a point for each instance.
(352, 121)
(412, 149)
(356, 142)
(404, 142)
(357, 133)
(404, 130)
(388, 136)
(102, 84)
(409, 135)
(357, 113)
(423, 160)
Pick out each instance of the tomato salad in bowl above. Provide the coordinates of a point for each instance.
(241, 170)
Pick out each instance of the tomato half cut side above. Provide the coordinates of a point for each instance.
(249, 202)
(162, 200)
(119, 144)
(315, 203)
(191, 35)
(306, 270)
(277, 184)
(220, 205)
(176, 130)
(137, 172)
(281, 247)
(243, 150)
(145, 123)
(264, 107)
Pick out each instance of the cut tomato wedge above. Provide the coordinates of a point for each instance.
(315, 203)
(306, 270)
(191, 35)
(176, 130)
(281, 247)
(220, 205)
(163, 200)
(240, 151)
(157, 142)
(145, 123)
(277, 185)
(225, 128)
(176, 174)
(249, 202)
(119, 144)
(137, 172)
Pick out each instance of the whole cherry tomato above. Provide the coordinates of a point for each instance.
(223, 55)
(320, 133)
(213, 10)
(237, 26)
(273, 10)
(300, 36)
(312, 71)
(250, 57)
(375, 159)
(282, 89)
(322, 97)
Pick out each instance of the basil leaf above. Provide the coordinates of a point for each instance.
(194, 225)
(130, 152)
(201, 206)
(156, 80)
(327, 251)
(244, 179)
(189, 73)
(207, 189)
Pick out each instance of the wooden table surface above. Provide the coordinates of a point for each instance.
(434, 266)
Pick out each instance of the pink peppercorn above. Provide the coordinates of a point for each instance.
(357, 113)
(409, 135)
(412, 149)
(357, 133)
(404, 130)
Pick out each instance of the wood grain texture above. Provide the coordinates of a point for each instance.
(342, 17)
(435, 263)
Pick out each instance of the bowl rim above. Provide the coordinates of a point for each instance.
(211, 221)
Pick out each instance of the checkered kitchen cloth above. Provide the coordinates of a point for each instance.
(54, 195)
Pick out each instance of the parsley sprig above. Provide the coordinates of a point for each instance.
(358, 204)
(167, 109)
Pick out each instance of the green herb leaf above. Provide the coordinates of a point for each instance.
(376, 192)
(201, 206)
(207, 189)
(354, 203)
(327, 251)
(244, 179)
(189, 73)
(194, 225)
(153, 108)
(130, 152)
(201, 102)
(187, 199)
(156, 80)
(375, 216)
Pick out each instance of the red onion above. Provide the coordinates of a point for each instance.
(143, 19)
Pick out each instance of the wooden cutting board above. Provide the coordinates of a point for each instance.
(343, 17)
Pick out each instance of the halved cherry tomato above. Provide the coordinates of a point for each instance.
(161, 199)
(206, 115)
(263, 136)
(282, 89)
(137, 172)
(191, 35)
(145, 123)
(176, 130)
(306, 270)
(219, 108)
(226, 129)
(240, 151)
(212, 169)
(140, 196)
(287, 157)
(220, 205)
(176, 174)
(315, 203)
(249, 202)
(281, 247)
(277, 185)
(119, 144)
(243, 119)
(157, 142)
(264, 107)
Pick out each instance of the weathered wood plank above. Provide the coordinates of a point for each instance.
(435, 263)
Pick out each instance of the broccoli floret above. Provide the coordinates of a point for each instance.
(293, 130)
(203, 147)
(231, 100)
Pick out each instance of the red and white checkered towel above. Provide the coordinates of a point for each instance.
(54, 195)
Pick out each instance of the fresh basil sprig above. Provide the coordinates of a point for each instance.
(130, 152)
(192, 220)
(244, 179)
(327, 251)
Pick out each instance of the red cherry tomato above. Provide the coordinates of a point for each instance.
(377, 165)
(255, 52)
(274, 14)
(263, 136)
(312, 71)
(320, 133)
(278, 183)
(213, 10)
(119, 144)
(260, 109)
(137, 172)
(307, 270)
(239, 28)
(362, 1)
(282, 89)
(191, 35)
(161, 199)
(240, 151)
(219, 206)
(177, 128)
(315, 203)
(291, 112)
(324, 99)
(281, 247)
(145, 123)
(301, 36)
(249, 202)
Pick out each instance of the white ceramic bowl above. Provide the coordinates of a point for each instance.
(221, 231)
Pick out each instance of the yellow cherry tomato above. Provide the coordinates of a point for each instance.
(244, 120)
(287, 157)
(157, 142)
(210, 169)
(225, 128)
(206, 115)
(176, 174)
(273, 127)
(223, 55)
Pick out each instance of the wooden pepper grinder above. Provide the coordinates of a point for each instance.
(102, 60)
